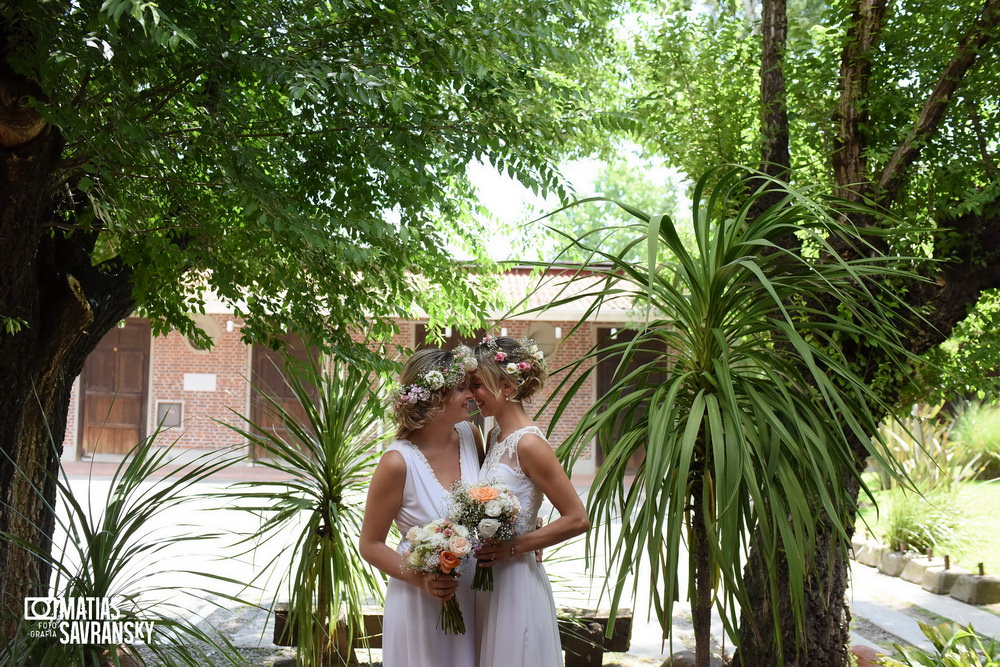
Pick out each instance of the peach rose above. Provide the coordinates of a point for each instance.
(459, 545)
(483, 494)
(448, 561)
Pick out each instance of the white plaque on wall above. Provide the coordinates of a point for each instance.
(199, 382)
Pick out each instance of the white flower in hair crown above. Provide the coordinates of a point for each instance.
(465, 356)
(432, 381)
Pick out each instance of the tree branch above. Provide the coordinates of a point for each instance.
(984, 150)
(20, 121)
(863, 35)
(960, 282)
(928, 121)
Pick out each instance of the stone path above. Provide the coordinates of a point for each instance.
(888, 610)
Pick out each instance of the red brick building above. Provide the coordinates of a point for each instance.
(134, 381)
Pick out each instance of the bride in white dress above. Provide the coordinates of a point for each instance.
(517, 620)
(435, 447)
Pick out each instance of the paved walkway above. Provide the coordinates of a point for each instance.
(886, 609)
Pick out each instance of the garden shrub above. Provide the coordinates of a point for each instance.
(921, 522)
(977, 432)
(923, 445)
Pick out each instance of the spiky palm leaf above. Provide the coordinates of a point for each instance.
(748, 411)
(328, 457)
(113, 548)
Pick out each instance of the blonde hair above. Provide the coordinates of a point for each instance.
(412, 415)
(527, 381)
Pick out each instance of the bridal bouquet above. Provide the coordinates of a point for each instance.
(488, 513)
(439, 548)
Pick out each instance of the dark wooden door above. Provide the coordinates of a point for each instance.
(606, 377)
(269, 379)
(113, 391)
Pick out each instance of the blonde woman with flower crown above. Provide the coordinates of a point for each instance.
(517, 619)
(435, 447)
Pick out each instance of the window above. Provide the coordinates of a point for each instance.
(169, 414)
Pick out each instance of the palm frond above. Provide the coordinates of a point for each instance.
(327, 458)
(751, 431)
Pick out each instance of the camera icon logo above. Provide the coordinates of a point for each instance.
(40, 609)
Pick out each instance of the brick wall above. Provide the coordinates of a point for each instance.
(208, 383)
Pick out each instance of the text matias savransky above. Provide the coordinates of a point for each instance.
(85, 620)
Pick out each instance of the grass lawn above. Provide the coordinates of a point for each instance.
(978, 533)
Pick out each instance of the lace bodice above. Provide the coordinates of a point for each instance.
(503, 467)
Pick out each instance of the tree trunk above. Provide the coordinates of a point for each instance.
(60, 307)
(775, 158)
(827, 615)
(701, 606)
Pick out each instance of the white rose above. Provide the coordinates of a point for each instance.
(493, 508)
(511, 368)
(412, 534)
(488, 528)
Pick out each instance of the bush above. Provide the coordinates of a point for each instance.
(954, 646)
(921, 523)
(923, 445)
(977, 432)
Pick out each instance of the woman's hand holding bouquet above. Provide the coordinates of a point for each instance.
(490, 514)
(437, 549)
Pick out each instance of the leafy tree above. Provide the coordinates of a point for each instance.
(621, 178)
(967, 365)
(302, 159)
(890, 102)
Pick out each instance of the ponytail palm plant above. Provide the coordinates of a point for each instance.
(116, 547)
(326, 453)
(733, 390)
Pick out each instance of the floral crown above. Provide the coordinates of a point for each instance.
(519, 360)
(437, 379)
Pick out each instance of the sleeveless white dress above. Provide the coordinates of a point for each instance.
(518, 618)
(411, 636)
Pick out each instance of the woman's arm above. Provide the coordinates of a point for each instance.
(540, 464)
(385, 497)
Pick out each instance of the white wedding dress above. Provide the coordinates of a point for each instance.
(411, 636)
(518, 618)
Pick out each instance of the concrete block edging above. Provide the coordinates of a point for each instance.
(930, 573)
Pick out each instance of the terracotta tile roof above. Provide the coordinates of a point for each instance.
(528, 289)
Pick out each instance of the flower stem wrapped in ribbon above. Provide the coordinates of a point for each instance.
(488, 513)
(439, 547)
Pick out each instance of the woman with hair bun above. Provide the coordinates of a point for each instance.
(518, 618)
(436, 447)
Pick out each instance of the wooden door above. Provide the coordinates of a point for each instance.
(114, 391)
(606, 377)
(269, 379)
